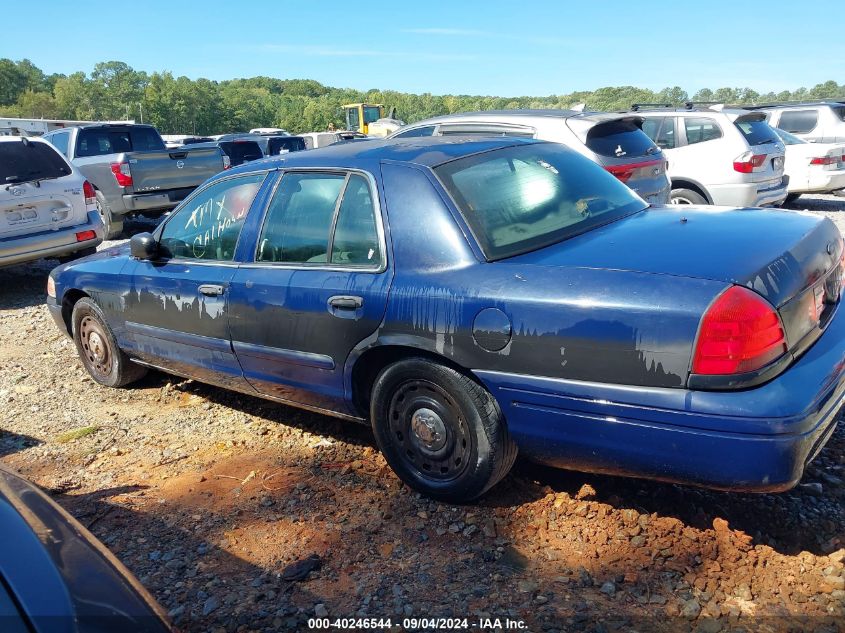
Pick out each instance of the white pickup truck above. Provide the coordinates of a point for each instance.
(131, 169)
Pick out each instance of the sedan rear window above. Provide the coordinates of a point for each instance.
(27, 161)
(519, 199)
(757, 132)
(619, 139)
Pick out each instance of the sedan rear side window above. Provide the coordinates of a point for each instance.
(519, 199)
(208, 225)
(314, 214)
(619, 139)
(27, 161)
(798, 121)
(299, 219)
(701, 130)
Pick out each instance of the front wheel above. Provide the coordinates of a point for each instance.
(442, 433)
(105, 361)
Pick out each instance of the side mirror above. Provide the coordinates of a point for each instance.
(143, 246)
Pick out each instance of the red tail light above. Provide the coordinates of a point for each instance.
(84, 236)
(122, 174)
(739, 333)
(826, 160)
(90, 194)
(625, 172)
(746, 162)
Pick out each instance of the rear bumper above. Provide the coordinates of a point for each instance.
(749, 194)
(17, 250)
(823, 182)
(759, 439)
(159, 201)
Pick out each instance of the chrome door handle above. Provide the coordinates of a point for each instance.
(343, 302)
(211, 290)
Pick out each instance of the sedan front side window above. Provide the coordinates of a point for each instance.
(208, 225)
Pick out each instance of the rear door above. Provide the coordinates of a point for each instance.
(176, 305)
(317, 287)
(38, 190)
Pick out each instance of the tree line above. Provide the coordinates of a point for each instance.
(179, 105)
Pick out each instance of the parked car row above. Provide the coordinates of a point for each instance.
(697, 154)
(132, 171)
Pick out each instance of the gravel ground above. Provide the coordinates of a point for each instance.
(218, 502)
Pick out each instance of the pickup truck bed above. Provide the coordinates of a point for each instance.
(131, 169)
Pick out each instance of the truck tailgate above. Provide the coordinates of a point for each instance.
(160, 171)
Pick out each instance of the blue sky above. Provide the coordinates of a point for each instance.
(458, 47)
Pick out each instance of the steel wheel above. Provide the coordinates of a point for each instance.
(432, 436)
(441, 432)
(679, 200)
(97, 355)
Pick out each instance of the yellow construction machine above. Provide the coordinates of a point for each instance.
(369, 119)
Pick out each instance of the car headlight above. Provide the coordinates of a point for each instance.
(51, 287)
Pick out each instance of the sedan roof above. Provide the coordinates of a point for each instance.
(426, 151)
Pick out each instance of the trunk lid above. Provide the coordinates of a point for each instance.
(776, 253)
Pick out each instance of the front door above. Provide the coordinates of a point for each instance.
(176, 309)
(317, 287)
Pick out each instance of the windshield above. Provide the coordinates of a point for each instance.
(787, 138)
(522, 198)
(371, 114)
(757, 132)
(21, 162)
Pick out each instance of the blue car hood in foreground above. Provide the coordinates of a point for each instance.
(62, 578)
(777, 253)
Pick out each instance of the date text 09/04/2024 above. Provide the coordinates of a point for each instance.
(417, 624)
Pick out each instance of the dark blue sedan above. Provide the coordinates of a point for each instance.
(468, 298)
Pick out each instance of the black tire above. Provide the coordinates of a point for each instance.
(103, 359)
(791, 197)
(457, 454)
(113, 224)
(686, 196)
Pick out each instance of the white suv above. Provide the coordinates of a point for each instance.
(719, 156)
(818, 122)
(47, 209)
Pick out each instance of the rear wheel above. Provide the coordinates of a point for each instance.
(113, 224)
(442, 433)
(105, 361)
(686, 196)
